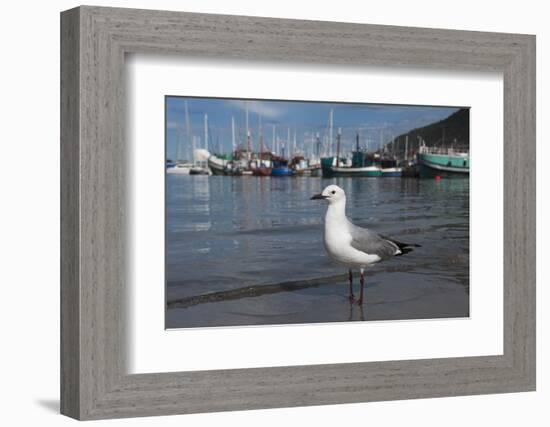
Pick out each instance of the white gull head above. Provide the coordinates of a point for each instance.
(332, 194)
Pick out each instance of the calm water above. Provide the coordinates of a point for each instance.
(249, 251)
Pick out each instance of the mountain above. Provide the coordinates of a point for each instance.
(454, 130)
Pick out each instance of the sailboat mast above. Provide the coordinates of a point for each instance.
(338, 136)
(246, 115)
(397, 147)
(178, 146)
(188, 131)
(205, 131)
(194, 147)
(232, 134)
(330, 123)
(261, 136)
(248, 144)
(407, 147)
(288, 141)
(318, 146)
(273, 142)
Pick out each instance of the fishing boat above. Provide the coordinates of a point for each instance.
(218, 163)
(361, 165)
(262, 170)
(263, 165)
(280, 167)
(441, 161)
(367, 171)
(389, 168)
(300, 166)
(260, 167)
(392, 172)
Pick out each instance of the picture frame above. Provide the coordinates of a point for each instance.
(94, 381)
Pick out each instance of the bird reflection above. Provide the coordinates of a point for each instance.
(352, 308)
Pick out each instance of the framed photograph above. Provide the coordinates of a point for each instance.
(262, 213)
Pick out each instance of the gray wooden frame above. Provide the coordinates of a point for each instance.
(94, 41)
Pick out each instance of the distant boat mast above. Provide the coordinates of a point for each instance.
(206, 131)
(273, 141)
(189, 136)
(194, 147)
(178, 147)
(232, 134)
(288, 141)
(330, 124)
(261, 137)
(338, 136)
(318, 145)
(248, 143)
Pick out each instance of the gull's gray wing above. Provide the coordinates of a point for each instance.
(372, 243)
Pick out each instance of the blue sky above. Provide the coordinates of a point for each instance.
(306, 120)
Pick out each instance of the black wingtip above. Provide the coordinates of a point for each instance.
(404, 251)
(404, 248)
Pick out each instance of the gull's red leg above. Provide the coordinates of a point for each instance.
(350, 276)
(360, 302)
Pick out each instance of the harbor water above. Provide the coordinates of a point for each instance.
(249, 251)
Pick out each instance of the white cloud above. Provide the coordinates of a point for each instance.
(267, 111)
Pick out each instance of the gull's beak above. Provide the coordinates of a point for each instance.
(319, 197)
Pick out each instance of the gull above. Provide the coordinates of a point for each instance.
(353, 246)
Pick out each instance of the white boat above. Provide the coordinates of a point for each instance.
(180, 169)
(199, 170)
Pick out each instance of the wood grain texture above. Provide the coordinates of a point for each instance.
(70, 259)
(94, 193)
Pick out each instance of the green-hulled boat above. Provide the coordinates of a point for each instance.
(218, 163)
(444, 162)
(362, 165)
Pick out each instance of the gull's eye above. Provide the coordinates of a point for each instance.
(333, 191)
